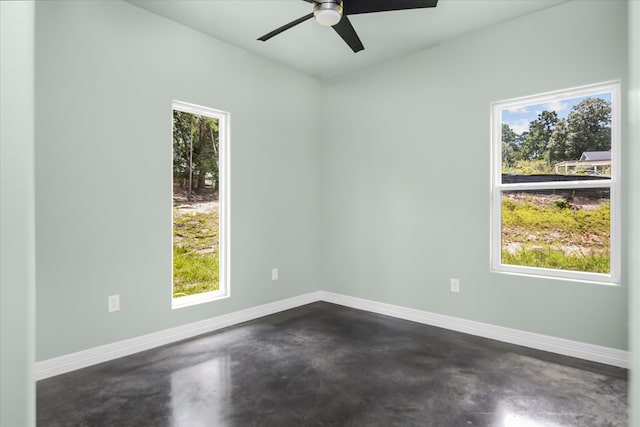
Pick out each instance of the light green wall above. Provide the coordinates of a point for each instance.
(634, 206)
(406, 190)
(106, 75)
(17, 245)
(392, 228)
(370, 190)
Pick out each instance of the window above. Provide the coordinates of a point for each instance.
(555, 184)
(200, 205)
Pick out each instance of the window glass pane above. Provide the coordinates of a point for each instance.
(548, 141)
(196, 228)
(566, 229)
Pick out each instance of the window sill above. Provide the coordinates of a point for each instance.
(550, 274)
(196, 299)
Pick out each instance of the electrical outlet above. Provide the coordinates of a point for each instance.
(455, 285)
(274, 274)
(114, 303)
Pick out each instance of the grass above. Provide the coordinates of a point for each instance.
(541, 231)
(592, 262)
(195, 252)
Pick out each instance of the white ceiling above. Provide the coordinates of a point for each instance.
(318, 50)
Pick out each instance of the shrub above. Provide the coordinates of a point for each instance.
(508, 204)
(561, 204)
(549, 235)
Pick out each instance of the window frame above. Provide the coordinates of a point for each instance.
(223, 291)
(498, 187)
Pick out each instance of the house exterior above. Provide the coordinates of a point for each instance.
(595, 156)
(591, 162)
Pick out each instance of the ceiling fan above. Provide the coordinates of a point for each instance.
(334, 13)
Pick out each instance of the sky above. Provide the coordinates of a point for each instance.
(518, 118)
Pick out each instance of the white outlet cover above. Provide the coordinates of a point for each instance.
(113, 303)
(455, 285)
(274, 274)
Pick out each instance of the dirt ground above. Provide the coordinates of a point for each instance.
(516, 238)
(576, 200)
(180, 195)
(202, 202)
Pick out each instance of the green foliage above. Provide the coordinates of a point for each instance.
(561, 204)
(589, 127)
(550, 139)
(593, 262)
(195, 149)
(536, 139)
(538, 231)
(508, 204)
(510, 146)
(532, 212)
(528, 167)
(193, 273)
(195, 253)
(558, 142)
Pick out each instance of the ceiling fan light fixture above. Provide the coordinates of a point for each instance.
(327, 13)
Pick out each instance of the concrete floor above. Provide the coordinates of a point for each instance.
(323, 364)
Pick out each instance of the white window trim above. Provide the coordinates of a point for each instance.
(223, 209)
(497, 187)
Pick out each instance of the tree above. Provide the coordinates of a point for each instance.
(510, 146)
(207, 159)
(195, 150)
(558, 142)
(589, 127)
(181, 140)
(534, 146)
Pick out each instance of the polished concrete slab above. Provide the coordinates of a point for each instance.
(326, 365)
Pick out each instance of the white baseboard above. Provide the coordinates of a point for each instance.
(81, 359)
(594, 353)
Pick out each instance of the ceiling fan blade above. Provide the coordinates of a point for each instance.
(285, 27)
(348, 34)
(353, 7)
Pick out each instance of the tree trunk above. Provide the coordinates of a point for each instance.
(215, 173)
(201, 171)
(190, 168)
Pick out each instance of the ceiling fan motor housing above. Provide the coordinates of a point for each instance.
(328, 12)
